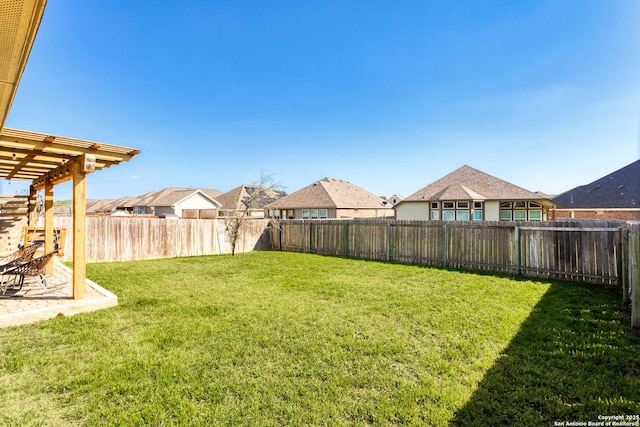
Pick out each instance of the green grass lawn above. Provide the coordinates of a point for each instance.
(270, 338)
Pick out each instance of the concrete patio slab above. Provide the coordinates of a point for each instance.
(34, 303)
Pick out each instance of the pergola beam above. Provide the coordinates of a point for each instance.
(62, 145)
(57, 176)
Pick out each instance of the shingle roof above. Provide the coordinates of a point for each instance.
(171, 195)
(330, 193)
(467, 183)
(235, 199)
(108, 205)
(99, 205)
(619, 189)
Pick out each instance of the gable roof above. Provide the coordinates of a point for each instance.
(467, 183)
(330, 193)
(172, 195)
(236, 199)
(619, 189)
(99, 205)
(108, 205)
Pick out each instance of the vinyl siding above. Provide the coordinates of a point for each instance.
(412, 211)
(492, 211)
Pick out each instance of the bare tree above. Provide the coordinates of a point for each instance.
(263, 192)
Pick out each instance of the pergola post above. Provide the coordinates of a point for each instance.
(49, 241)
(79, 229)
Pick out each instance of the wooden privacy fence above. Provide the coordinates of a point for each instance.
(131, 238)
(598, 252)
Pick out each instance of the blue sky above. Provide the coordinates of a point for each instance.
(388, 95)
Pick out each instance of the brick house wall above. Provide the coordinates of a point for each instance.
(608, 214)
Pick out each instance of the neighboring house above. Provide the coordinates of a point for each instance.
(236, 200)
(175, 202)
(615, 196)
(467, 194)
(330, 198)
(97, 207)
(395, 199)
(61, 210)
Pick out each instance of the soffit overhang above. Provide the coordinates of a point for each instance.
(19, 23)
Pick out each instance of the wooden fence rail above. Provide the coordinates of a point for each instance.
(602, 253)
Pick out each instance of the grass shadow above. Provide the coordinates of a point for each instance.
(574, 359)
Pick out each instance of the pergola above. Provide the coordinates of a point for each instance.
(44, 159)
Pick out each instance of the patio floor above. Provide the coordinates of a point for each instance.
(33, 303)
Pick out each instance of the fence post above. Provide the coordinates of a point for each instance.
(445, 245)
(516, 249)
(310, 238)
(623, 265)
(634, 276)
(388, 237)
(345, 238)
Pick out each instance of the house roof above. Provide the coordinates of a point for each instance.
(172, 195)
(99, 205)
(619, 189)
(108, 205)
(330, 193)
(467, 183)
(236, 199)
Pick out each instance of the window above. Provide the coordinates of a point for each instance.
(477, 205)
(535, 215)
(505, 215)
(463, 205)
(435, 215)
(505, 205)
(305, 213)
(462, 215)
(477, 215)
(324, 213)
(447, 205)
(520, 205)
(434, 205)
(448, 215)
(314, 213)
(534, 205)
(520, 215)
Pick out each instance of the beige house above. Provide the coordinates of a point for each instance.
(175, 202)
(467, 194)
(236, 200)
(330, 198)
